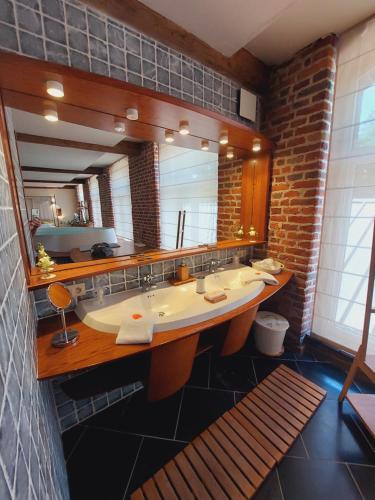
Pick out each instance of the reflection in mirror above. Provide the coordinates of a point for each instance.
(61, 298)
(98, 194)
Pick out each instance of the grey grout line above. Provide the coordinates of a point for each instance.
(278, 480)
(304, 445)
(356, 423)
(255, 373)
(355, 481)
(179, 412)
(76, 444)
(133, 468)
(138, 434)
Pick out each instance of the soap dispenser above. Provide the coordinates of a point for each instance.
(182, 272)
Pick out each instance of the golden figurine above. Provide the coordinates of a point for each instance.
(253, 233)
(239, 234)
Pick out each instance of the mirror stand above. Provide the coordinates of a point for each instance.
(65, 337)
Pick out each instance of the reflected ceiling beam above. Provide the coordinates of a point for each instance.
(73, 181)
(49, 187)
(242, 66)
(122, 148)
(88, 170)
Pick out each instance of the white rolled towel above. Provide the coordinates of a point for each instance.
(138, 328)
(269, 279)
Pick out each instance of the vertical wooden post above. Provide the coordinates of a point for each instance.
(238, 332)
(171, 367)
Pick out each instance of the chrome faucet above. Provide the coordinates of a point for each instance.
(147, 282)
(214, 263)
(100, 292)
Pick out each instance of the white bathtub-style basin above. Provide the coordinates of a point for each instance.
(173, 306)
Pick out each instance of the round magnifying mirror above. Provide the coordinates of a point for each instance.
(61, 298)
(59, 295)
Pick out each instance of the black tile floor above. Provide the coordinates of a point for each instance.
(115, 451)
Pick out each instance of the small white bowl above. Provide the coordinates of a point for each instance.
(258, 267)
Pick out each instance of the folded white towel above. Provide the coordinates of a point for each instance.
(136, 329)
(260, 276)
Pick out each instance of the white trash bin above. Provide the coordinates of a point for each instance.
(269, 331)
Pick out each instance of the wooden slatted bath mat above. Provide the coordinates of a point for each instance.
(235, 454)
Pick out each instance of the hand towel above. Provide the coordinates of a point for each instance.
(136, 329)
(260, 276)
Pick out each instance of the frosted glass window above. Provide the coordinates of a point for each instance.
(188, 181)
(350, 197)
(95, 201)
(121, 198)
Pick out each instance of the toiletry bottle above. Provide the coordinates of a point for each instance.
(183, 272)
(201, 284)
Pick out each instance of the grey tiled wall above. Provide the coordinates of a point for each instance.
(119, 281)
(31, 460)
(69, 33)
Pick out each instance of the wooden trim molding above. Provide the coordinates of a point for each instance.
(122, 148)
(242, 66)
(95, 348)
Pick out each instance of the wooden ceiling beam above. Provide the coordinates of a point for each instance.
(73, 181)
(122, 148)
(88, 170)
(49, 187)
(242, 66)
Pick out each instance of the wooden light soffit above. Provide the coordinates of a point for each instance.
(242, 66)
(122, 148)
(88, 170)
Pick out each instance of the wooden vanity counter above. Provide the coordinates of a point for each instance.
(96, 348)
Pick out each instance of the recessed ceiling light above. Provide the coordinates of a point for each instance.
(184, 127)
(132, 114)
(169, 136)
(204, 145)
(50, 114)
(119, 126)
(55, 89)
(224, 138)
(230, 153)
(257, 145)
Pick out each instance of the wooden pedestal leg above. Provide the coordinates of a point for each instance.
(238, 332)
(171, 367)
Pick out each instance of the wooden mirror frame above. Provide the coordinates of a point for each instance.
(22, 85)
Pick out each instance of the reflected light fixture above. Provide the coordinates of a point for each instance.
(224, 138)
(119, 126)
(132, 114)
(204, 145)
(230, 153)
(55, 89)
(50, 113)
(169, 136)
(257, 145)
(184, 127)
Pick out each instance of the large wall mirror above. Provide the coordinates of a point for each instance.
(98, 183)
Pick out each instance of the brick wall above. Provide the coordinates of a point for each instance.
(145, 196)
(105, 193)
(87, 198)
(297, 118)
(229, 197)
